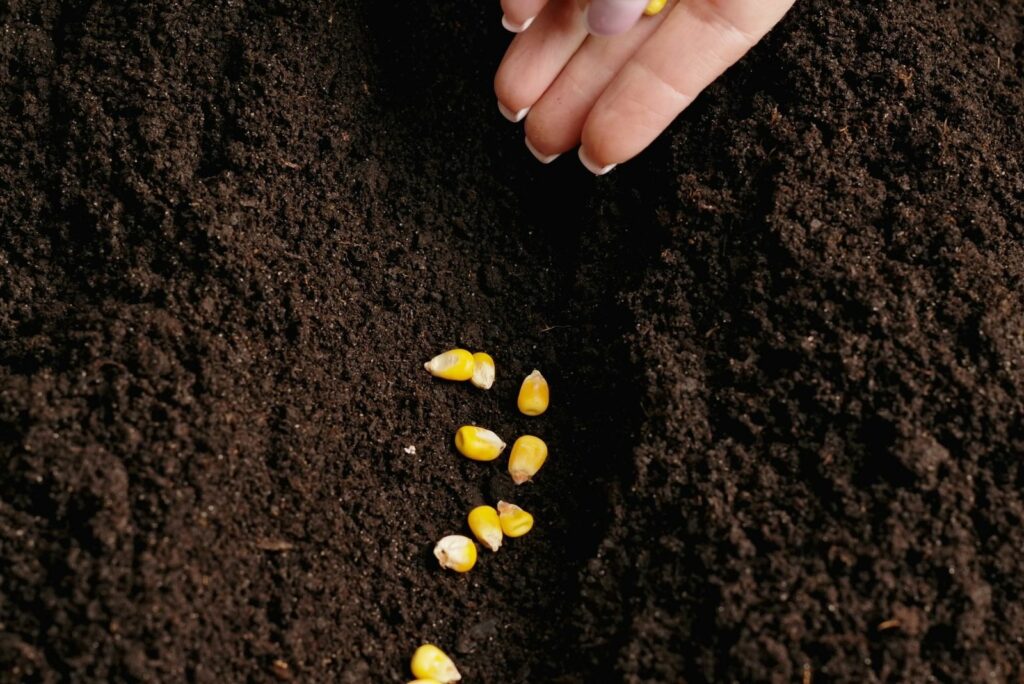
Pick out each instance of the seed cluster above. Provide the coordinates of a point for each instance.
(489, 524)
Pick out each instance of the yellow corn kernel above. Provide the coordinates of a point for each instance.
(654, 6)
(431, 663)
(456, 364)
(456, 552)
(534, 394)
(528, 455)
(515, 522)
(424, 681)
(478, 443)
(486, 526)
(483, 370)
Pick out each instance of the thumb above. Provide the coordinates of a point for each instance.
(611, 17)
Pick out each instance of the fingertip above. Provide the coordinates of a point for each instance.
(506, 91)
(592, 165)
(515, 116)
(507, 84)
(612, 17)
(518, 15)
(541, 157)
(513, 27)
(601, 151)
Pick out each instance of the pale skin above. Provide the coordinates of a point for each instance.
(611, 95)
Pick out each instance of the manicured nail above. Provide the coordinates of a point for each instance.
(542, 158)
(592, 166)
(612, 17)
(516, 28)
(514, 117)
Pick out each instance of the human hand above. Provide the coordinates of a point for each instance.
(614, 94)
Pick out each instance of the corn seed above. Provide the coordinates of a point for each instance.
(456, 364)
(528, 455)
(534, 394)
(515, 522)
(431, 663)
(483, 370)
(478, 443)
(654, 6)
(486, 526)
(456, 552)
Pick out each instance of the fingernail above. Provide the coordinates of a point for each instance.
(514, 117)
(592, 166)
(612, 17)
(516, 28)
(542, 158)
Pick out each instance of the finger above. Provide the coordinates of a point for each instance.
(519, 14)
(612, 17)
(556, 120)
(535, 57)
(698, 41)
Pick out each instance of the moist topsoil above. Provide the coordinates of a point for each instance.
(785, 346)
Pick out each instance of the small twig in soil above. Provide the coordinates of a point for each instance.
(275, 545)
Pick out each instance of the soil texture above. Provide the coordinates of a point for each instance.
(785, 346)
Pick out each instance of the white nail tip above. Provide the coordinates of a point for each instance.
(542, 158)
(514, 117)
(516, 28)
(592, 166)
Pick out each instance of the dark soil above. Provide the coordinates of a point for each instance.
(786, 348)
